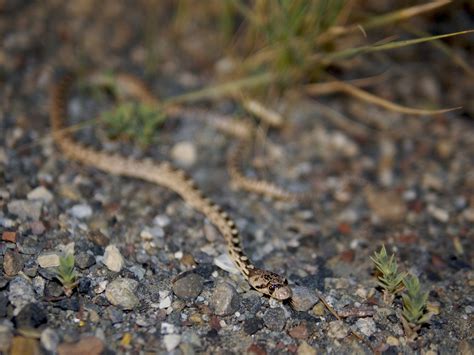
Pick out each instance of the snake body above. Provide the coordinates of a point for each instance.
(163, 174)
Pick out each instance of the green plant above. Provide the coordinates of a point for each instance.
(66, 274)
(414, 302)
(135, 121)
(389, 278)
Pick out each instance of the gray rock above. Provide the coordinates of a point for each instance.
(121, 293)
(338, 329)
(12, 263)
(188, 286)
(113, 259)
(31, 315)
(275, 319)
(38, 285)
(25, 209)
(40, 193)
(225, 300)
(21, 293)
(6, 337)
(81, 211)
(303, 298)
(49, 339)
(366, 326)
(252, 325)
(84, 260)
(171, 341)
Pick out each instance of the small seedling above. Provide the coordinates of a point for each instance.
(414, 306)
(134, 121)
(389, 278)
(66, 274)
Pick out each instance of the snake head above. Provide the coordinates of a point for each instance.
(270, 284)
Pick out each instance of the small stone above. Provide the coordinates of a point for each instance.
(338, 329)
(38, 285)
(387, 205)
(40, 193)
(84, 286)
(366, 326)
(113, 259)
(438, 213)
(37, 227)
(81, 211)
(319, 309)
(392, 341)
(25, 209)
(89, 345)
(53, 289)
(305, 349)
(12, 263)
(49, 339)
(224, 262)
(184, 153)
(171, 341)
(31, 315)
(115, 315)
(6, 336)
(303, 298)
(165, 302)
(21, 346)
(84, 260)
(469, 214)
(188, 286)
(161, 220)
(224, 300)
(9, 236)
(275, 319)
(98, 238)
(48, 259)
(299, 332)
(252, 325)
(121, 293)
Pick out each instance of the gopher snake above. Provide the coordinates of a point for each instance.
(164, 174)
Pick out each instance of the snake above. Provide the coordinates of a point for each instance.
(161, 173)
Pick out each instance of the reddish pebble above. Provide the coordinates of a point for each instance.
(299, 332)
(256, 349)
(347, 256)
(37, 227)
(344, 228)
(9, 236)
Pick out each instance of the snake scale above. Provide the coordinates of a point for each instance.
(163, 174)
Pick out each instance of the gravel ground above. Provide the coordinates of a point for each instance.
(154, 275)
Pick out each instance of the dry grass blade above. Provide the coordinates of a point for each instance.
(350, 52)
(375, 100)
(382, 20)
(272, 118)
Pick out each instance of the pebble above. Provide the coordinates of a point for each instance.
(252, 325)
(299, 332)
(113, 259)
(98, 238)
(387, 205)
(438, 213)
(303, 298)
(21, 293)
(37, 227)
(6, 336)
(225, 263)
(90, 345)
(22, 345)
(12, 263)
(84, 260)
(392, 341)
(48, 259)
(121, 293)
(161, 220)
(38, 285)
(366, 326)
(189, 286)
(305, 349)
(184, 153)
(32, 315)
(275, 319)
(81, 211)
(49, 339)
(224, 300)
(8, 236)
(40, 193)
(171, 341)
(25, 209)
(338, 329)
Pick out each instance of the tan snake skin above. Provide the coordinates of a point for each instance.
(266, 282)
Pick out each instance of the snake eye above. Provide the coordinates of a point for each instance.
(272, 288)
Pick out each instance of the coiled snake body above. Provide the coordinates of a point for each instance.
(164, 174)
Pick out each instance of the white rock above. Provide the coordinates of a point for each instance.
(162, 220)
(438, 213)
(224, 262)
(81, 211)
(21, 293)
(121, 292)
(184, 153)
(366, 326)
(165, 302)
(167, 328)
(40, 193)
(113, 259)
(48, 259)
(171, 341)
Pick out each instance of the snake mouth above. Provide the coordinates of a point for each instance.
(282, 293)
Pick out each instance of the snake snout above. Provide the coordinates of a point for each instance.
(282, 293)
